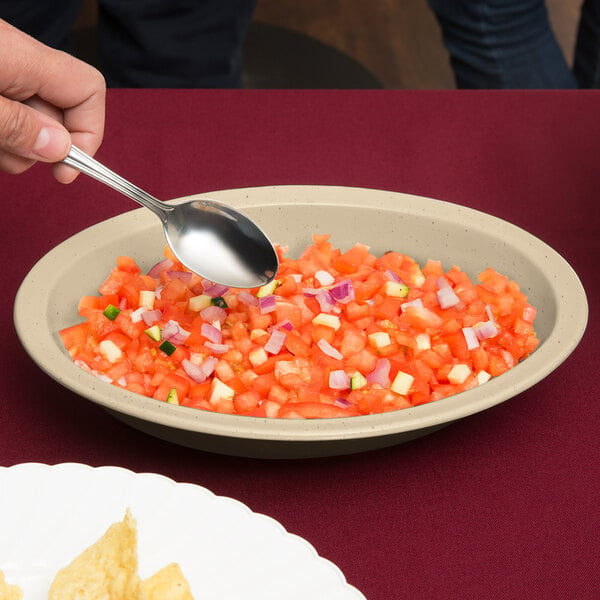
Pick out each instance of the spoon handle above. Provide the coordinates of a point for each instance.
(81, 161)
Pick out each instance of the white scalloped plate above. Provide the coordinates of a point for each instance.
(49, 514)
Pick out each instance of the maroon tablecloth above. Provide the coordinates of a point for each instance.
(503, 504)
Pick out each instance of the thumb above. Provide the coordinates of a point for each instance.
(27, 133)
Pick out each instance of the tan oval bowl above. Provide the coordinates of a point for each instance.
(419, 227)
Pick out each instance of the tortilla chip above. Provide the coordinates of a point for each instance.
(107, 569)
(9, 592)
(167, 584)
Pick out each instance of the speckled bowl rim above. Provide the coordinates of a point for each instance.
(43, 344)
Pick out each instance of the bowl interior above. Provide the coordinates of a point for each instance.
(469, 245)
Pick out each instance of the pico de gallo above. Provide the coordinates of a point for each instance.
(335, 334)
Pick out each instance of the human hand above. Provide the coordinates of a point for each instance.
(48, 101)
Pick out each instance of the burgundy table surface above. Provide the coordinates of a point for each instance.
(503, 504)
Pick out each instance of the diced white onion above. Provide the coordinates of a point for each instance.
(324, 277)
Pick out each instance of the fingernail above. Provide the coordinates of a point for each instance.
(51, 144)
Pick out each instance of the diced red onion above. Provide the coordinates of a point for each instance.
(275, 342)
(285, 324)
(470, 337)
(416, 302)
(325, 300)
(381, 373)
(529, 313)
(324, 277)
(310, 292)
(447, 298)
(151, 316)
(343, 291)
(328, 349)
(342, 403)
(183, 276)
(442, 283)
(158, 290)
(208, 365)
(136, 315)
(215, 290)
(211, 314)
(171, 328)
(393, 276)
(217, 348)
(122, 303)
(247, 298)
(297, 277)
(486, 330)
(194, 371)
(211, 333)
(199, 373)
(159, 267)
(489, 313)
(266, 304)
(173, 332)
(339, 380)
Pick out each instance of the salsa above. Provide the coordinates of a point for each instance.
(335, 334)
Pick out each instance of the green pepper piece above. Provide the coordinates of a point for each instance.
(219, 301)
(111, 312)
(167, 347)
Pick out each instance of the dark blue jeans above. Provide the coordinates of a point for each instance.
(496, 44)
(149, 43)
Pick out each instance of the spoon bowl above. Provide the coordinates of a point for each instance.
(210, 238)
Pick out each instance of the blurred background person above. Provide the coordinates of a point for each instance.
(149, 43)
(510, 44)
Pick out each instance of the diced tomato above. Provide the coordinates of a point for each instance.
(367, 289)
(89, 304)
(127, 263)
(296, 345)
(172, 381)
(114, 281)
(350, 261)
(420, 339)
(100, 325)
(389, 308)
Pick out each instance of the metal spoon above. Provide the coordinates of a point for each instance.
(211, 239)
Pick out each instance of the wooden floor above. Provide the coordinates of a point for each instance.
(394, 44)
(398, 41)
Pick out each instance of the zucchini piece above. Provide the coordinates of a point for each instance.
(153, 333)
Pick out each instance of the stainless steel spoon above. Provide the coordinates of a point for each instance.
(212, 239)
